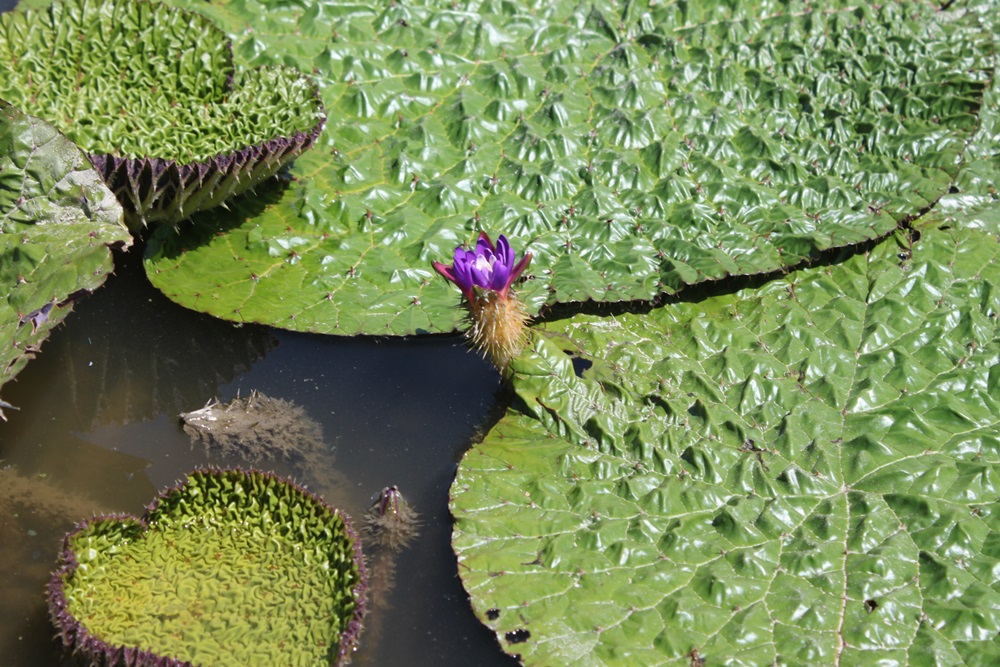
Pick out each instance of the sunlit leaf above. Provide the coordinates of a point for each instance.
(192, 580)
(150, 92)
(57, 221)
(633, 149)
(804, 473)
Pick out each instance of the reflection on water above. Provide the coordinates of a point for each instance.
(99, 431)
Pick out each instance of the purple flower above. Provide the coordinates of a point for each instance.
(486, 266)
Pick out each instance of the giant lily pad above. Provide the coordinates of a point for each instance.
(804, 473)
(57, 221)
(633, 149)
(978, 184)
(151, 93)
(230, 568)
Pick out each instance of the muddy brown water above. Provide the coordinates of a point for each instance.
(98, 431)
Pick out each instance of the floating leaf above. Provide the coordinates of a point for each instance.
(229, 568)
(804, 473)
(151, 93)
(632, 149)
(57, 221)
(978, 184)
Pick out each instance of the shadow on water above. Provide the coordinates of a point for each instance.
(98, 431)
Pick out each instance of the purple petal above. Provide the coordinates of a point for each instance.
(482, 277)
(461, 254)
(458, 273)
(463, 269)
(446, 271)
(487, 266)
(501, 274)
(484, 245)
(504, 252)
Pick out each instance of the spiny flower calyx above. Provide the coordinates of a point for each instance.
(485, 275)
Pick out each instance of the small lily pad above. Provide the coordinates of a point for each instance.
(151, 93)
(229, 569)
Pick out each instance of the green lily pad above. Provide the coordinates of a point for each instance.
(633, 149)
(978, 184)
(231, 568)
(151, 93)
(57, 221)
(804, 473)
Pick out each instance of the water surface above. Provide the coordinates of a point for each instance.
(98, 431)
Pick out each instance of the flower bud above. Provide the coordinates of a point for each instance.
(498, 319)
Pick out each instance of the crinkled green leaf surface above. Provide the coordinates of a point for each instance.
(57, 220)
(231, 568)
(804, 473)
(632, 148)
(978, 184)
(151, 93)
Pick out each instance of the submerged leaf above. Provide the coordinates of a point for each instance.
(57, 221)
(804, 473)
(631, 149)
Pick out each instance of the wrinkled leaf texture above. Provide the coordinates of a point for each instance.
(57, 221)
(804, 473)
(151, 94)
(633, 148)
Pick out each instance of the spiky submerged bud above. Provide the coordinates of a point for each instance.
(391, 522)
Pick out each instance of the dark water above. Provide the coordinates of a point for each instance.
(97, 431)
